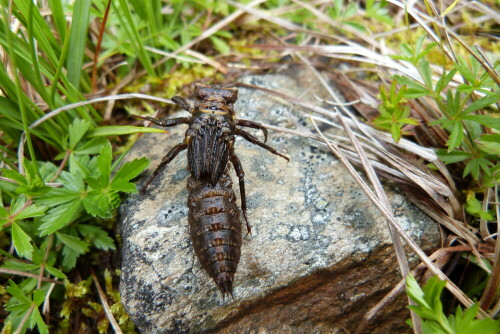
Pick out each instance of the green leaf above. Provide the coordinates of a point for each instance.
(127, 21)
(456, 136)
(55, 272)
(69, 258)
(92, 146)
(75, 243)
(21, 266)
(122, 130)
(21, 241)
(97, 236)
(415, 292)
(490, 144)
(395, 132)
(97, 203)
(31, 211)
(444, 80)
(104, 164)
(220, 45)
(123, 186)
(58, 196)
(76, 132)
(14, 175)
(453, 156)
(464, 70)
(465, 322)
(36, 318)
(38, 297)
(482, 102)
(486, 120)
(131, 169)
(474, 165)
(426, 73)
(16, 292)
(60, 216)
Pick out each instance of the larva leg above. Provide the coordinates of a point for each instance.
(255, 141)
(241, 177)
(166, 123)
(166, 159)
(253, 125)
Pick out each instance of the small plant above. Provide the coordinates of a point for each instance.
(430, 310)
(43, 219)
(394, 112)
(472, 128)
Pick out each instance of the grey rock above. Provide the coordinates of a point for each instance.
(319, 255)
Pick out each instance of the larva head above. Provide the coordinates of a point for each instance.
(208, 93)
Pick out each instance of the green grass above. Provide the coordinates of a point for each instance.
(61, 182)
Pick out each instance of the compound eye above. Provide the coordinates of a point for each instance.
(230, 96)
(201, 91)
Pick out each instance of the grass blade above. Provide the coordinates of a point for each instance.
(78, 37)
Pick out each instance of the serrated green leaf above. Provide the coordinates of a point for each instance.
(55, 272)
(97, 236)
(79, 169)
(97, 203)
(75, 243)
(69, 258)
(58, 196)
(31, 211)
(76, 132)
(36, 318)
(38, 297)
(14, 175)
(122, 130)
(123, 186)
(16, 292)
(22, 241)
(131, 169)
(60, 216)
(415, 292)
(465, 322)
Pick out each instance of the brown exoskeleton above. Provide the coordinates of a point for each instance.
(213, 215)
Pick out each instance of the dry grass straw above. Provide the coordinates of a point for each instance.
(375, 152)
(105, 305)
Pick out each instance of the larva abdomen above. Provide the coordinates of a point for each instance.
(215, 228)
